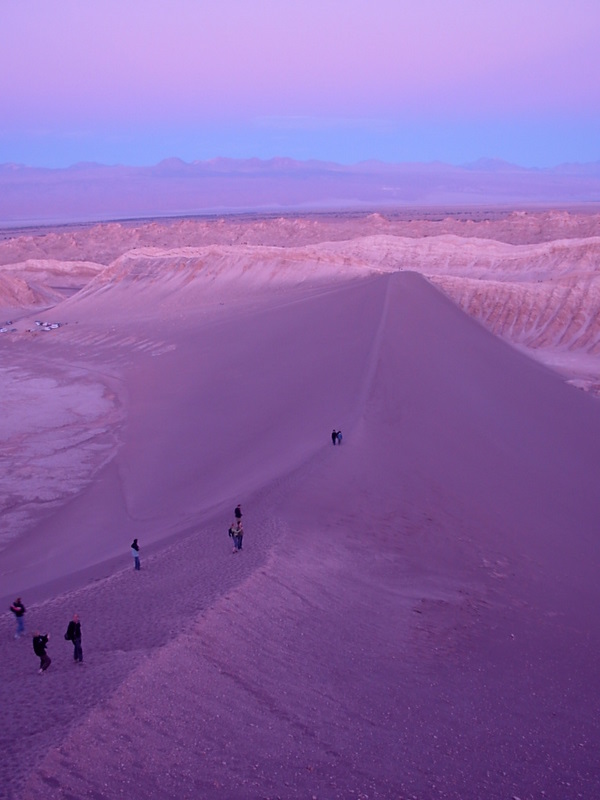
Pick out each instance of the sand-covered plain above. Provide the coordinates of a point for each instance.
(413, 614)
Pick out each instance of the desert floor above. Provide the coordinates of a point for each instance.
(414, 613)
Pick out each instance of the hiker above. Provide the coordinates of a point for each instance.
(232, 535)
(238, 534)
(238, 511)
(135, 552)
(339, 437)
(18, 609)
(39, 648)
(334, 436)
(73, 634)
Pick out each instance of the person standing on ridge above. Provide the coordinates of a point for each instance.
(238, 534)
(232, 536)
(334, 436)
(18, 609)
(39, 648)
(135, 552)
(73, 634)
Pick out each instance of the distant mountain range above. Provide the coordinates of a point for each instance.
(89, 192)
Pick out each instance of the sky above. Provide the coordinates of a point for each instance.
(137, 81)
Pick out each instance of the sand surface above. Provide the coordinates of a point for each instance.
(414, 613)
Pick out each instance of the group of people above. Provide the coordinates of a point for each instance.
(236, 529)
(73, 633)
(236, 533)
(40, 640)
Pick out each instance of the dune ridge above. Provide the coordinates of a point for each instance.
(541, 296)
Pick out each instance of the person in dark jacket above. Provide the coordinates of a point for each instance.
(238, 511)
(39, 648)
(73, 634)
(135, 552)
(18, 609)
(334, 435)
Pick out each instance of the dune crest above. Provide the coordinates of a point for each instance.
(542, 296)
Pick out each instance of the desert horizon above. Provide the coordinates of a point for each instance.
(98, 192)
(414, 611)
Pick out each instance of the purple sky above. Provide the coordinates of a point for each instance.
(121, 81)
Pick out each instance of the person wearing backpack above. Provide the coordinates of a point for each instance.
(73, 634)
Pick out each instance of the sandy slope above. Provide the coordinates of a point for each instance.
(414, 613)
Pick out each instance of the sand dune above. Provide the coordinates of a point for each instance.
(414, 613)
(541, 296)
